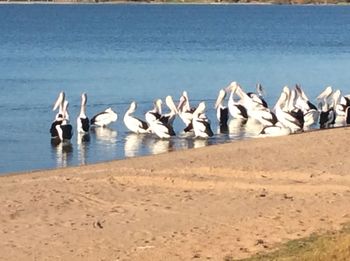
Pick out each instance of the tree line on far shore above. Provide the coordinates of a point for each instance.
(321, 2)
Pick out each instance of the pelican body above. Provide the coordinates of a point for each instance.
(201, 124)
(104, 118)
(83, 123)
(59, 116)
(65, 129)
(134, 124)
(159, 126)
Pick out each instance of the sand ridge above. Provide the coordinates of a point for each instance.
(229, 200)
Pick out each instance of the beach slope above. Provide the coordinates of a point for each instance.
(213, 203)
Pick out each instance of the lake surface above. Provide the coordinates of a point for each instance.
(120, 53)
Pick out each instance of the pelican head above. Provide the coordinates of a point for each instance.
(260, 90)
(170, 103)
(83, 99)
(59, 101)
(233, 86)
(325, 94)
(282, 100)
(286, 90)
(113, 115)
(336, 97)
(158, 106)
(183, 103)
(200, 109)
(221, 97)
(132, 107)
(65, 110)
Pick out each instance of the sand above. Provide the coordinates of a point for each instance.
(212, 203)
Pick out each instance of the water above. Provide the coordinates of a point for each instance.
(120, 53)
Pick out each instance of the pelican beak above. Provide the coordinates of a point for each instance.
(221, 97)
(59, 101)
(181, 103)
(323, 95)
(170, 103)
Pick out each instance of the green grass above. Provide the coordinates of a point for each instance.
(330, 246)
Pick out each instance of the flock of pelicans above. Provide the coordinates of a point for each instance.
(292, 113)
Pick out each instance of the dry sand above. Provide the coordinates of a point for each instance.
(211, 203)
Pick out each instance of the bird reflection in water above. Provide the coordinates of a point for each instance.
(105, 134)
(63, 152)
(83, 141)
(157, 146)
(252, 128)
(133, 144)
(198, 143)
(236, 127)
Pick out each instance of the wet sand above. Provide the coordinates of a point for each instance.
(230, 200)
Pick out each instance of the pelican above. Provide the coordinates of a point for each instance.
(153, 117)
(327, 114)
(161, 129)
(169, 117)
(104, 118)
(276, 130)
(256, 110)
(258, 97)
(310, 111)
(83, 124)
(221, 110)
(340, 105)
(65, 129)
(134, 124)
(290, 119)
(201, 124)
(236, 109)
(59, 116)
(185, 111)
(155, 113)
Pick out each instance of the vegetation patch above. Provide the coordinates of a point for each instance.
(330, 246)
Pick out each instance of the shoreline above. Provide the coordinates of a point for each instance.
(30, 171)
(216, 202)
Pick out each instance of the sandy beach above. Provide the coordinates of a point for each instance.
(212, 203)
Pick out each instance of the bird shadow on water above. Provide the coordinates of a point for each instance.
(62, 151)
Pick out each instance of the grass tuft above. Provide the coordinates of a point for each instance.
(330, 246)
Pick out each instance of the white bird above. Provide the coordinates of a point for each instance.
(169, 117)
(185, 111)
(153, 117)
(201, 124)
(59, 116)
(104, 118)
(311, 113)
(290, 119)
(65, 129)
(83, 123)
(340, 105)
(235, 108)
(256, 109)
(258, 97)
(222, 113)
(135, 124)
(161, 129)
(276, 130)
(155, 113)
(327, 113)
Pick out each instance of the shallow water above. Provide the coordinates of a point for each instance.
(120, 53)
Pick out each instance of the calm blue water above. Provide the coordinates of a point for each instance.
(120, 53)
